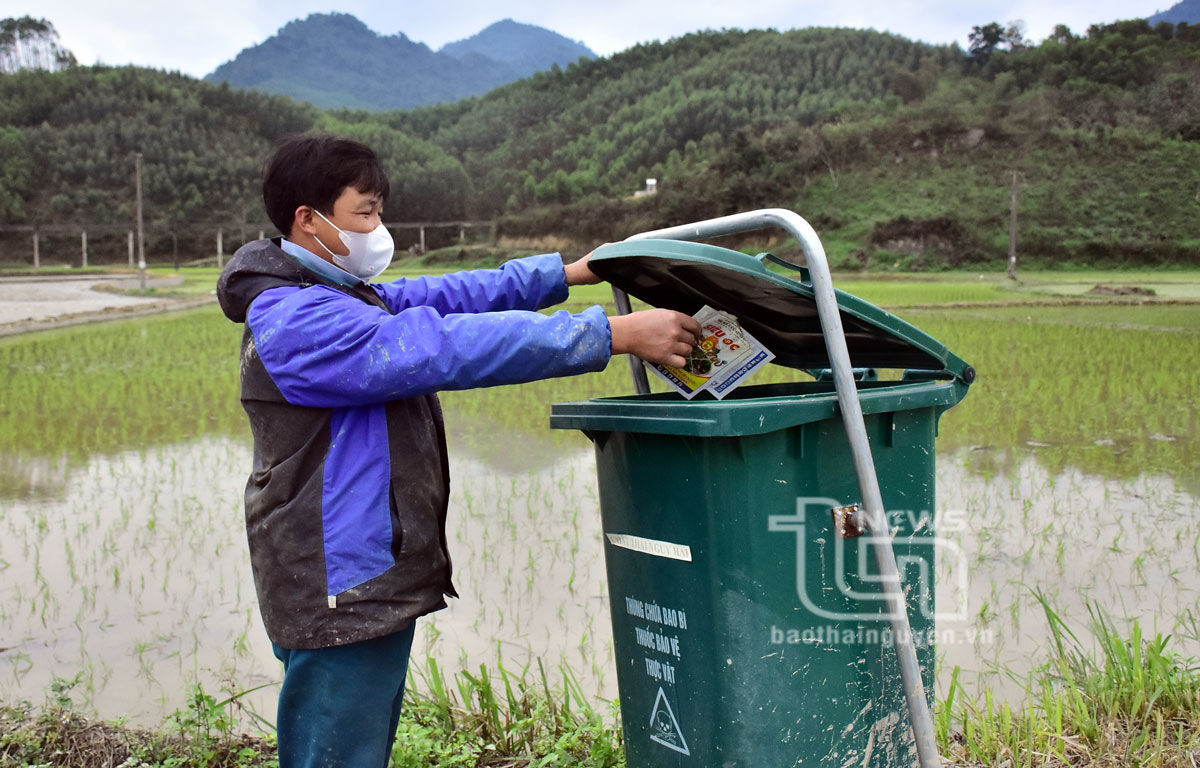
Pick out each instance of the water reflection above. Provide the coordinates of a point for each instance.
(529, 564)
(1126, 545)
(137, 576)
(123, 453)
(138, 571)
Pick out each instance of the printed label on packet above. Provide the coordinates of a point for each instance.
(725, 357)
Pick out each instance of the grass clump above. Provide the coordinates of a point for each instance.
(204, 734)
(502, 719)
(1130, 702)
(496, 719)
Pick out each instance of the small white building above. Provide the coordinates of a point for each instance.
(651, 189)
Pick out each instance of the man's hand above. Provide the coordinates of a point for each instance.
(579, 273)
(655, 335)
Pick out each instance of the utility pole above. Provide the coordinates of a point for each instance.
(1012, 230)
(141, 240)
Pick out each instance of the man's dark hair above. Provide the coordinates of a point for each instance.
(314, 171)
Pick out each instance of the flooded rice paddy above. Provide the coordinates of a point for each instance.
(1071, 469)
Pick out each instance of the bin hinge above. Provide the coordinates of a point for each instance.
(849, 522)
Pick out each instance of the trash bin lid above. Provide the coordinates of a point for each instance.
(780, 311)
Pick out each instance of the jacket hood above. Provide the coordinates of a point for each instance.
(257, 267)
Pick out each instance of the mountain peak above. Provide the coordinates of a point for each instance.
(324, 20)
(526, 45)
(322, 58)
(1185, 10)
(338, 30)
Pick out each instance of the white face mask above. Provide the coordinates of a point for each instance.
(370, 252)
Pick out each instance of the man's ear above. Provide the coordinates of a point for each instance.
(302, 221)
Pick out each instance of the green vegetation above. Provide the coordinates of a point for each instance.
(204, 734)
(1133, 702)
(91, 388)
(901, 154)
(599, 128)
(475, 719)
(1097, 389)
(1084, 417)
(13, 269)
(181, 360)
(502, 718)
(203, 144)
(889, 290)
(1126, 699)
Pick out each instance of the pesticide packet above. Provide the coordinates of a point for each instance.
(725, 357)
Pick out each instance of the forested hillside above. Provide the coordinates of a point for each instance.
(897, 151)
(601, 127)
(67, 139)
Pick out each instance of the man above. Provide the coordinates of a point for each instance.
(346, 503)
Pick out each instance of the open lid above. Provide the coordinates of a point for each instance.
(781, 312)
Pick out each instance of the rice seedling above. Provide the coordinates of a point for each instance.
(122, 514)
(1129, 701)
(503, 717)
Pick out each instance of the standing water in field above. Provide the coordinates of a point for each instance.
(1073, 469)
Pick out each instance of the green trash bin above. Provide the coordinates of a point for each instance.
(747, 631)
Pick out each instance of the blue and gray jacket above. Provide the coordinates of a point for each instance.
(346, 503)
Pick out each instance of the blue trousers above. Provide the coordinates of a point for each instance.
(340, 706)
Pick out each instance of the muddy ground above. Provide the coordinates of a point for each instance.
(34, 304)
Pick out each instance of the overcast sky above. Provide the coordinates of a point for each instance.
(196, 37)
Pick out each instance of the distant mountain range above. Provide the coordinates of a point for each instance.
(1185, 10)
(334, 60)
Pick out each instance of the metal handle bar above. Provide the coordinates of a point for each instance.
(919, 713)
(783, 263)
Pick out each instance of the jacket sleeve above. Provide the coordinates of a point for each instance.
(531, 283)
(325, 349)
